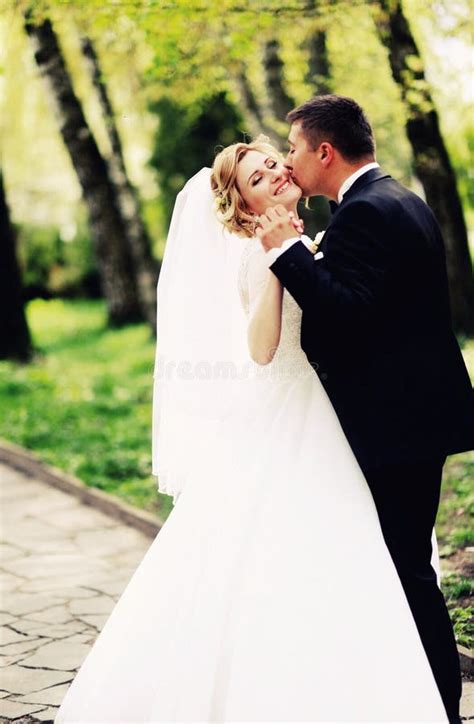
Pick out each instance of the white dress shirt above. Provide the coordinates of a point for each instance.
(273, 254)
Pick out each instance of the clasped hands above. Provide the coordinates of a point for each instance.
(277, 225)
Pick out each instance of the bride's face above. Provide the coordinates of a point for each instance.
(263, 181)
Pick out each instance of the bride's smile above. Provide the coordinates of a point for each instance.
(264, 181)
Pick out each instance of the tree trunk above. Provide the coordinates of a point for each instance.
(431, 160)
(106, 223)
(319, 72)
(15, 341)
(280, 101)
(252, 110)
(146, 269)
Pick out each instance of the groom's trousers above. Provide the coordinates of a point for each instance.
(407, 499)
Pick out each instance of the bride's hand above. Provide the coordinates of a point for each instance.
(276, 226)
(297, 223)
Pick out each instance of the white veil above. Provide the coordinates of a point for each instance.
(201, 347)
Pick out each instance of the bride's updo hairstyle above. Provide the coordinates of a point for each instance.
(231, 209)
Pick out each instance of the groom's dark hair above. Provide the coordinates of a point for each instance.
(338, 120)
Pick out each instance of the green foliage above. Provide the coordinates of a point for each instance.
(52, 265)
(463, 623)
(461, 154)
(459, 592)
(188, 138)
(455, 586)
(182, 52)
(454, 523)
(38, 250)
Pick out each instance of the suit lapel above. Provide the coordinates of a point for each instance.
(375, 174)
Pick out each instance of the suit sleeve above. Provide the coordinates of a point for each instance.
(345, 284)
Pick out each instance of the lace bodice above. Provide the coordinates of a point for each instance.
(253, 274)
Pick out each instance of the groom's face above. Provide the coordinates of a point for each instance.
(304, 163)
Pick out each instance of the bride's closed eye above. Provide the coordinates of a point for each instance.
(259, 178)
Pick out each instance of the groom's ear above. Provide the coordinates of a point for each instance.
(326, 153)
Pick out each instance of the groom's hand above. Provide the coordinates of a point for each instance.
(277, 225)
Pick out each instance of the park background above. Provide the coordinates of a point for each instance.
(107, 107)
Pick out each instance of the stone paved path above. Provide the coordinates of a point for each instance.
(63, 565)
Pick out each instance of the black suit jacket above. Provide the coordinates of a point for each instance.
(376, 326)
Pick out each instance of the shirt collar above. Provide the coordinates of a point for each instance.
(353, 177)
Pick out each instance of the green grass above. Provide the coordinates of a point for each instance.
(84, 405)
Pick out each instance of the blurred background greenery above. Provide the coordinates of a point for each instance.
(107, 107)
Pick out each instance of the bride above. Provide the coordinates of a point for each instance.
(269, 594)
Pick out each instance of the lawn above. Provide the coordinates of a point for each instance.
(84, 405)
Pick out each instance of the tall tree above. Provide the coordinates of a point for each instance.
(100, 195)
(431, 159)
(252, 109)
(15, 341)
(280, 101)
(318, 76)
(146, 271)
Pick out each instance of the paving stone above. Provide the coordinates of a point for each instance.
(47, 715)
(10, 552)
(56, 615)
(109, 541)
(94, 620)
(59, 655)
(57, 554)
(8, 583)
(8, 636)
(96, 577)
(60, 631)
(48, 501)
(22, 647)
(15, 709)
(7, 474)
(67, 545)
(20, 603)
(99, 604)
(10, 660)
(81, 518)
(18, 490)
(30, 529)
(84, 638)
(51, 695)
(52, 565)
(56, 587)
(25, 625)
(467, 701)
(19, 679)
(7, 618)
(115, 588)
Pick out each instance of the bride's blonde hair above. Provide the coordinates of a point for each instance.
(231, 209)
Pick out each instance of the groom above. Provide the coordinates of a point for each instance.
(376, 327)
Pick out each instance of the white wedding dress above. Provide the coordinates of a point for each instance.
(269, 594)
